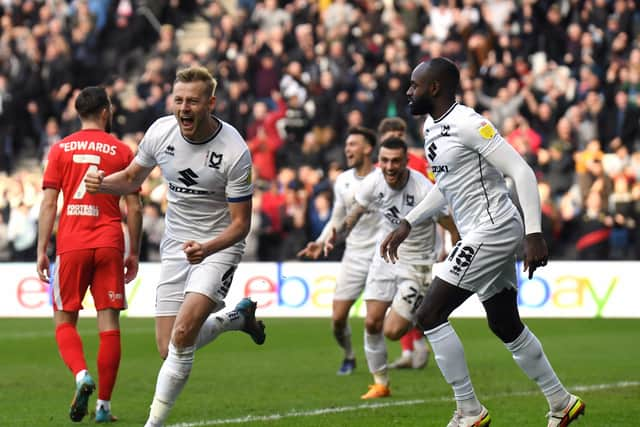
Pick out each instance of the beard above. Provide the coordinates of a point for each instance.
(420, 106)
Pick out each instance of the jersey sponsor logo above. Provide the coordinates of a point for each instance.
(486, 130)
(439, 168)
(393, 215)
(100, 147)
(83, 210)
(215, 160)
(432, 151)
(187, 177)
(183, 190)
(170, 150)
(409, 200)
(444, 130)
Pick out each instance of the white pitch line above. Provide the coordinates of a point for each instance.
(387, 404)
(17, 335)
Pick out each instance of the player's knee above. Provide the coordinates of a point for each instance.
(180, 336)
(505, 330)
(394, 332)
(373, 326)
(429, 318)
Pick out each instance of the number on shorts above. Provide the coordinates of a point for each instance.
(413, 298)
(462, 256)
(93, 162)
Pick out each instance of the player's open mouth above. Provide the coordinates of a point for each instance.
(186, 122)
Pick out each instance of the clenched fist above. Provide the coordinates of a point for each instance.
(93, 180)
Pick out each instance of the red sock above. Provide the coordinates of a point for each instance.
(406, 342)
(70, 347)
(417, 334)
(108, 362)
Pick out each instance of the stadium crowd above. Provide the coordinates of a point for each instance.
(560, 80)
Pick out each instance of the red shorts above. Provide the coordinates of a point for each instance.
(101, 269)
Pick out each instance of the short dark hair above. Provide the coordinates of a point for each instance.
(392, 124)
(368, 134)
(394, 143)
(91, 101)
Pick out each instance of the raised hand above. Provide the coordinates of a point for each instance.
(313, 250)
(389, 246)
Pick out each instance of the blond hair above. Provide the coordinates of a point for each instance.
(198, 74)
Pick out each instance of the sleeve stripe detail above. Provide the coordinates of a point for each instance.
(50, 184)
(239, 199)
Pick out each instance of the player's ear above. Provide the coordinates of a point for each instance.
(434, 88)
(212, 102)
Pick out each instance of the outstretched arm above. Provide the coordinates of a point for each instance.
(342, 232)
(510, 163)
(123, 182)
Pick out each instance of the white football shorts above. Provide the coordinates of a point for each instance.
(353, 274)
(212, 277)
(404, 285)
(483, 261)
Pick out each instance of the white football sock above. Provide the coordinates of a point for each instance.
(344, 340)
(420, 344)
(80, 375)
(529, 355)
(105, 404)
(449, 354)
(172, 377)
(218, 323)
(375, 350)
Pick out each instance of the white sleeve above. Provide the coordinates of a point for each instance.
(364, 195)
(239, 182)
(429, 207)
(148, 147)
(338, 214)
(510, 163)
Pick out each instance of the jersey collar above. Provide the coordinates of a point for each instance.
(210, 138)
(446, 113)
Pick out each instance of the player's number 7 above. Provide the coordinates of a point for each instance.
(93, 162)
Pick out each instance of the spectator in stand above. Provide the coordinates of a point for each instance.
(350, 59)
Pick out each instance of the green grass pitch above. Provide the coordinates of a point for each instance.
(291, 381)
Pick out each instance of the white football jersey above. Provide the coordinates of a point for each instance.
(202, 177)
(394, 205)
(456, 145)
(363, 235)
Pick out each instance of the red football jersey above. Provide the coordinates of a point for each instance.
(87, 220)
